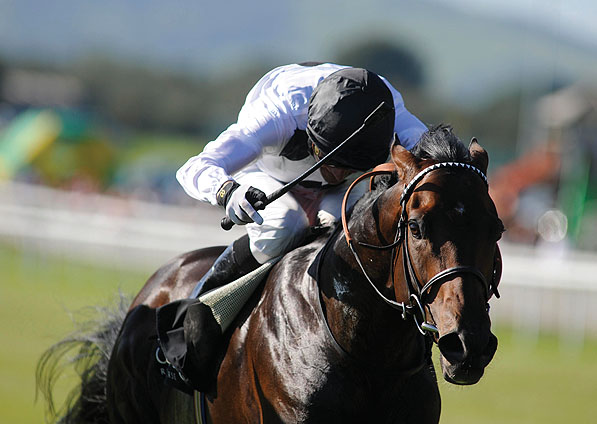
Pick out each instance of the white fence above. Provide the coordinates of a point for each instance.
(111, 230)
(541, 288)
(547, 289)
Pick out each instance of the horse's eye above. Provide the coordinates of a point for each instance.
(415, 230)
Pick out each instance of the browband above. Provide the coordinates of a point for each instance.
(427, 170)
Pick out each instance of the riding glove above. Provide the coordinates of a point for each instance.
(239, 200)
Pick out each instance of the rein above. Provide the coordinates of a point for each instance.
(417, 290)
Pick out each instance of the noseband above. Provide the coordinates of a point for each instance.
(417, 292)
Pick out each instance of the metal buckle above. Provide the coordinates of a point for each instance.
(425, 327)
(169, 367)
(160, 360)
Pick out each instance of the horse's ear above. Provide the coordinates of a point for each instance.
(478, 155)
(406, 163)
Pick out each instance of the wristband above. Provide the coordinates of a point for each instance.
(225, 191)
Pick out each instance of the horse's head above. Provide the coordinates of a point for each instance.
(449, 255)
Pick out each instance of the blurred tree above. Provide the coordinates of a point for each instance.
(397, 63)
(145, 98)
(151, 99)
(228, 94)
(2, 70)
(497, 124)
(402, 67)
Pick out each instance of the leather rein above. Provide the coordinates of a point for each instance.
(416, 290)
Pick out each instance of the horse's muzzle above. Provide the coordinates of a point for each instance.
(464, 356)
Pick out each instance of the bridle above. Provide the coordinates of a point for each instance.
(417, 292)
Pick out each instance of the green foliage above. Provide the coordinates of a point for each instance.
(135, 97)
(147, 98)
(398, 64)
(170, 147)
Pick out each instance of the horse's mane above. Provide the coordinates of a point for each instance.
(438, 143)
(441, 144)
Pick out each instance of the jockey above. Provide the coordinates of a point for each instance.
(291, 118)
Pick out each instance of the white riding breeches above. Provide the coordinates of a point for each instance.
(286, 219)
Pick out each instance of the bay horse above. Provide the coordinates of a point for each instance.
(342, 328)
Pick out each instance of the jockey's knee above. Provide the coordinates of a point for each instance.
(279, 233)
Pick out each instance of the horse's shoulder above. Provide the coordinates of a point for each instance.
(297, 270)
(307, 252)
(291, 292)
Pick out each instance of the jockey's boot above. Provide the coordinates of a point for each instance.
(234, 262)
(189, 335)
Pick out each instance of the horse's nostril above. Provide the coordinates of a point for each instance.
(451, 347)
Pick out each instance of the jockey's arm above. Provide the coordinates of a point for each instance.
(260, 129)
(202, 175)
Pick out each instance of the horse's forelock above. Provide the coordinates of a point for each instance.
(441, 144)
(438, 143)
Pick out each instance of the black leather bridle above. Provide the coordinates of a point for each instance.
(417, 292)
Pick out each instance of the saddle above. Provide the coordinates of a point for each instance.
(190, 331)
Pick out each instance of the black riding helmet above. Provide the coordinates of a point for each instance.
(339, 105)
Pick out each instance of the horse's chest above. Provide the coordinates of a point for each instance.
(341, 399)
(294, 372)
(324, 391)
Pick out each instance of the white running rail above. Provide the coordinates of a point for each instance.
(541, 288)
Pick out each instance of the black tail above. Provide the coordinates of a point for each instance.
(87, 351)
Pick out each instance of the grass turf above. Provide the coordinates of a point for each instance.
(529, 381)
(37, 295)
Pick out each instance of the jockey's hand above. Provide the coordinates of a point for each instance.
(325, 219)
(239, 200)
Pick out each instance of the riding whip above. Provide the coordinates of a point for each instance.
(373, 119)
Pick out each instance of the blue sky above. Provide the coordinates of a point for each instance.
(573, 18)
(471, 47)
(134, 25)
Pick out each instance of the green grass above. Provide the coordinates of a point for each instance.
(37, 294)
(542, 381)
(538, 381)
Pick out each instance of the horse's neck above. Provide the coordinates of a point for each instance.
(362, 323)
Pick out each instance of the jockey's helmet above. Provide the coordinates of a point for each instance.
(339, 105)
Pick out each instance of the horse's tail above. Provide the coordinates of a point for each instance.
(87, 352)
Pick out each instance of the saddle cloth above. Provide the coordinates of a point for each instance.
(208, 316)
(227, 301)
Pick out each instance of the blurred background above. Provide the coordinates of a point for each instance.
(101, 102)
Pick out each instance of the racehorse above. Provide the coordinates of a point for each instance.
(342, 328)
